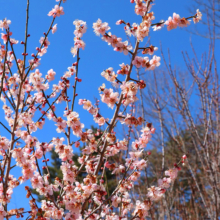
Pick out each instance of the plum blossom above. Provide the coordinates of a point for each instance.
(198, 16)
(109, 74)
(172, 173)
(141, 210)
(140, 7)
(137, 61)
(154, 62)
(150, 50)
(54, 28)
(114, 41)
(120, 22)
(100, 28)
(175, 22)
(4, 144)
(56, 11)
(171, 24)
(61, 124)
(5, 24)
(34, 63)
(109, 97)
(44, 41)
(4, 37)
(143, 30)
(42, 51)
(80, 28)
(164, 183)
(124, 69)
(101, 149)
(183, 22)
(158, 26)
(50, 75)
(13, 41)
(155, 193)
(79, 31)
(2, 212)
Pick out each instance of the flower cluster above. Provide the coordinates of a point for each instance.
(74, 123)
(56, 11)
(109, 97)
(198, 16)
(124, 69)
(113, 40)
(100, 120)
(176, 21)
(5, 24)
(109, 75)
(155, 193)
(131, 120)
(129, 91)
(80, 30)
(141, 7)
(29, 104)
(146, 63)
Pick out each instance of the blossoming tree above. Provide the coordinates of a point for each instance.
(28, 105)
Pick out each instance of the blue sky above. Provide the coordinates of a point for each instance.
(97, 55)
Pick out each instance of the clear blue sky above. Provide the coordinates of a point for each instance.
(97, 55)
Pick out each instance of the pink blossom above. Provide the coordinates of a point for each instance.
(79, 43)
(80, 28)
(4, 143)
(5, 24)
(2, 212)
(124, 69)
(77, 144)
(50, 75)
(149, 50)
(61, 124)
(155, 62)
(109, 97)
(13, 41)
(115, 201)
(56, 11)
(141, 210)
(38, 153)
(158, 27)
(183, 22)
(155, 193)
(164, 183)
(101, 121)
(171, 24)
(109, 74)
(54, 28)
(143, 30)
(100, 28)
(198, 16)
(4, 37)
(137, 61)
(140, 8)
(44, 41)
(172, 173)
(176, 18)
(42, 51)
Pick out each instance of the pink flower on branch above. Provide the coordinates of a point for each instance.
(198, 16)
(100, 28)
(54, 28)
(56, 11)
(5, 24)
